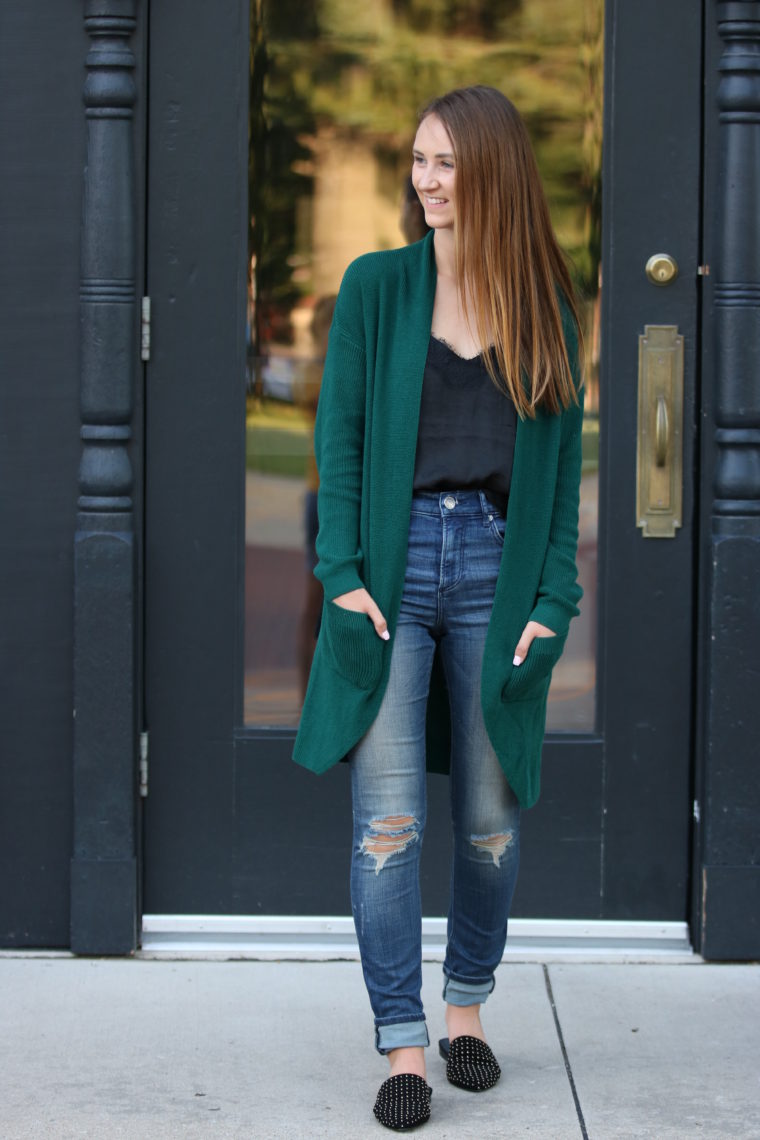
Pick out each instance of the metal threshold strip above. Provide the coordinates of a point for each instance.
(324, 938)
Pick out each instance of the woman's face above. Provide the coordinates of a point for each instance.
(434, 173)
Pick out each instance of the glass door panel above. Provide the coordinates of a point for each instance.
(334, 95)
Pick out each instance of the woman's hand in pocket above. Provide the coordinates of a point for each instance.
(361, 602)
(532, 630)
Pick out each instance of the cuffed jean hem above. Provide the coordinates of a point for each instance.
(401, 1035)
(466, 993)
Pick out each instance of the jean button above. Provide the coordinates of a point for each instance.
(450, 502)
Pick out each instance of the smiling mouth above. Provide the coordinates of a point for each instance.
(435, 201)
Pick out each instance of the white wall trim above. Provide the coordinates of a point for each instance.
(324, 938)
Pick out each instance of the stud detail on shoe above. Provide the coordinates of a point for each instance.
(403, 1101)
(470, 1064)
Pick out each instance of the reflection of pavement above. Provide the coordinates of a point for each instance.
(275, 576)
(273, 511)
(275, 581)
(571, 697)
(272, 697)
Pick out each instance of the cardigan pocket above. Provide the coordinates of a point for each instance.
(526, 682)
(354, 648)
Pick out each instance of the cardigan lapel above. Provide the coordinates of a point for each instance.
(404, 334)
(419, 288)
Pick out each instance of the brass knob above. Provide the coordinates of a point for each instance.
(661, 269)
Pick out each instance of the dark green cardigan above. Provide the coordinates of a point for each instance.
(365, 443)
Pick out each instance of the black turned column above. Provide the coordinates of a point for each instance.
(729, 891)
(104, 867)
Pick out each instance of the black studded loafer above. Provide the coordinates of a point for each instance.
(470, 1064)
(403, 1101)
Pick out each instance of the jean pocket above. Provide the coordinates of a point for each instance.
(354, 647)
(527, 681)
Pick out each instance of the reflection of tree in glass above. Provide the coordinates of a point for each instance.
(362, 71)
(278, 116)
(480, 18)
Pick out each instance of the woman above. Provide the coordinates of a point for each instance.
(448, 440)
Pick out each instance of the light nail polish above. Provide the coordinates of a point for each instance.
(517, 660)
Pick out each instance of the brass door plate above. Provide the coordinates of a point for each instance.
(659, 452)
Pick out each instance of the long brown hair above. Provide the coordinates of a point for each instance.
(508, 262)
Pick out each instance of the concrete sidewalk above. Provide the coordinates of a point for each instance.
(283, 1051)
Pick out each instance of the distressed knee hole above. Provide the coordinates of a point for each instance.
(496, 845)
(392, 823)
(388, 836)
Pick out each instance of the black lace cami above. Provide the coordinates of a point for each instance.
(466, 436)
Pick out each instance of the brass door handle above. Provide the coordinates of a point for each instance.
(659, 451)
(661, 432)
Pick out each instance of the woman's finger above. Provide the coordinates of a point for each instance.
(532, 630)
(360, 601)
(523, 645)
(377, 619)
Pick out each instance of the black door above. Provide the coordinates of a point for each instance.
(231, 826)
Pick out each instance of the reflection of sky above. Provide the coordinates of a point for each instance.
(283, 376)
(279, 377)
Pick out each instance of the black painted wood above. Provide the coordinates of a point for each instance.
(104, 861)
(231, 825)
(731, 912)
(195, 446)
(42, 47)
(651, 204)
(289, 839)
(728, 854)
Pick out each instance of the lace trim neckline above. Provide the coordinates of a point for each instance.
(450, 347)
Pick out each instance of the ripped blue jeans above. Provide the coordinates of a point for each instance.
(455, 545)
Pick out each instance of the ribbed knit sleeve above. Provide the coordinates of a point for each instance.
(339, 448)
(559, 591)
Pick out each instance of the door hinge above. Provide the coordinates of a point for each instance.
(143, 764)
(696, 811)
(145, 329)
